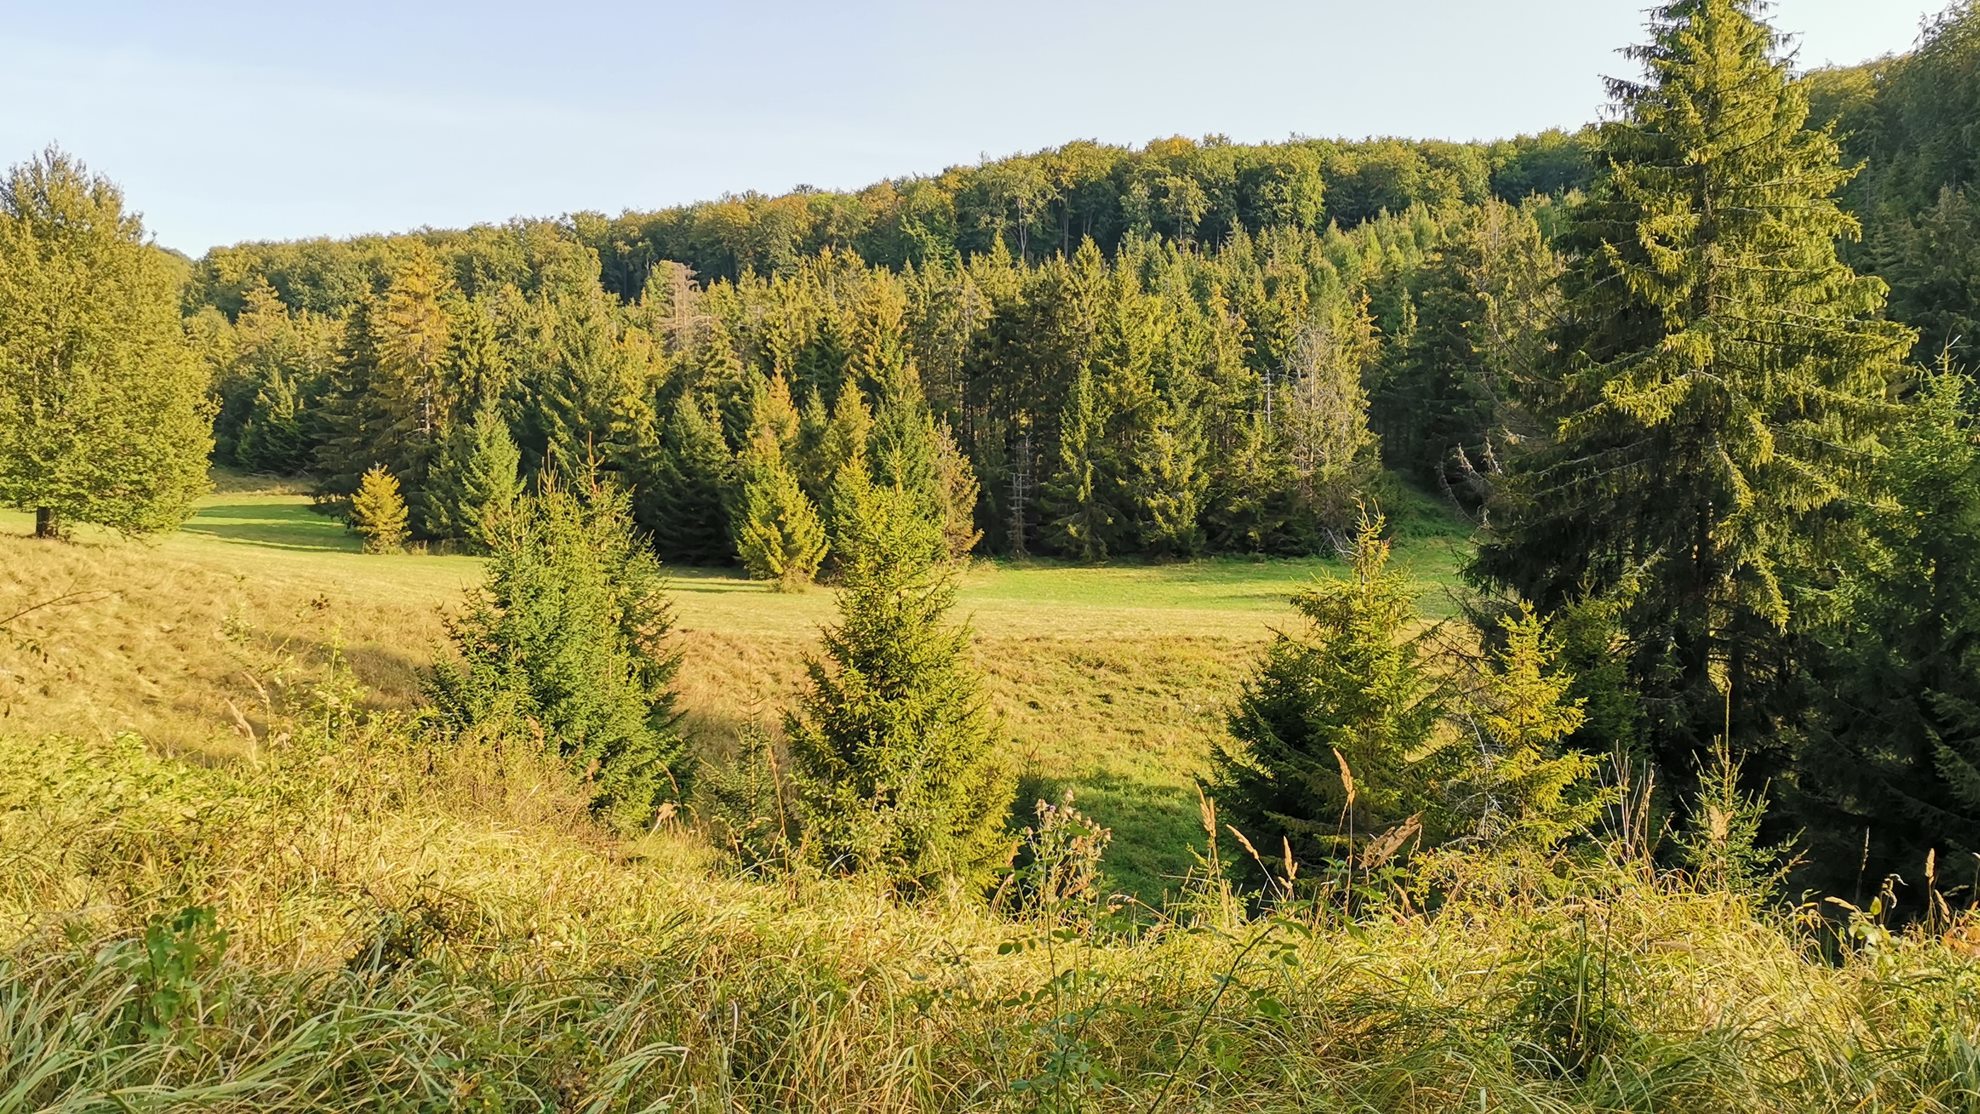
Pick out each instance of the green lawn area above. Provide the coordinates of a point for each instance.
(1112, 681)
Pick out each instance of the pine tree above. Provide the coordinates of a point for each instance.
(103, 410)
(476, 484)
(1531, 791)
(378, 512)
(1890, 770)
(893, 746)
(566, 643)
(1725, 379)
(1335, 739)
(685, 501)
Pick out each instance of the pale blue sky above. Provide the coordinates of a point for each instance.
(282, 120)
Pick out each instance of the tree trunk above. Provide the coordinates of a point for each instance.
(46, 525)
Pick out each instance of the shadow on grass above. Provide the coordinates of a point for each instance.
(278, 526)
(1158, 831)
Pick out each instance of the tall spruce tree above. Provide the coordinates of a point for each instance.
(103, 410)
(687, 496)
(778, 532)
(1724, 383)
(893, 745)
(477, 483)
(1084, 521)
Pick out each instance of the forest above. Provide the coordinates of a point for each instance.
(1326, 624)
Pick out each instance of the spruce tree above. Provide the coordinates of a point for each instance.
(1335, 739)
(1890, 770)
(1084, 521)
(378, 512)
(1724, 382)
(686, 499)
(1530, 790)
(959, 492)
(103, 410)
(893, 746)
(272, 438)
(477, 482)
(778, 532)
(566, 644)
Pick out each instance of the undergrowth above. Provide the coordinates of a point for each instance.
(358, 919)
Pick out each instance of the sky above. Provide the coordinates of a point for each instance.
(226, 122)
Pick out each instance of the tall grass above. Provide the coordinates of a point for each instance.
(357, 920)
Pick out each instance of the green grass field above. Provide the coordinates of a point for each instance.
(1112, 681)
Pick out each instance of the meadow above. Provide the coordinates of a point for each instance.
(1111, 681)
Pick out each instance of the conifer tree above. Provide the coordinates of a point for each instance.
(477, 482)
(1532, 791)
(1336, 738)
(1321, 417)
(378, 512)
(272, 438)
(1890, 770)
(1167, 481)
(1084, 522)
(686, 498)
(1725, 379)
(566, 643)
(353, 422)
(893, 745)
(959, 492)
(778, 532)
(849, 433)
(103, 411)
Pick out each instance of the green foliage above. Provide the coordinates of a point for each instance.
(1721, 840)
(476, 482)
(169, 964)
(378, 512)
(894, 749)
(1336, 739)
(1531, 791)
(778, 533)
(565, 646)
(1889, 774)
(103, 412)
(1724, 376)
(686, 498)
(1083, 521)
